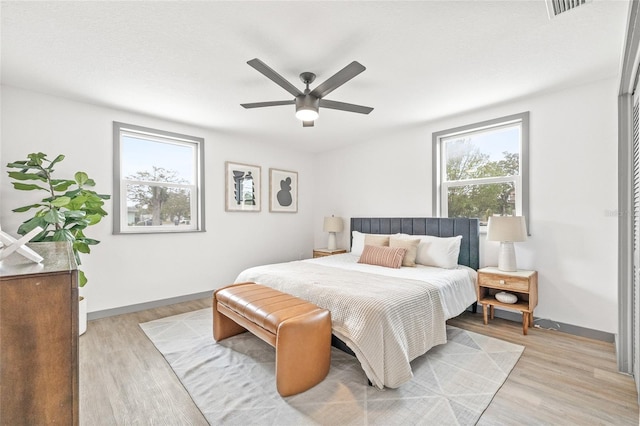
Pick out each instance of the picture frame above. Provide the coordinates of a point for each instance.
(283, 191)
(242, 187)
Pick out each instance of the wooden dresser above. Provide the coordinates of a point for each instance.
(39, 337)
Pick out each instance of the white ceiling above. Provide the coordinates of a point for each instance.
(186, 61)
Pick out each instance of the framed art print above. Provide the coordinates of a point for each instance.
(283, 191)
(242, 187)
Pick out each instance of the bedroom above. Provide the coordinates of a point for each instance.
(105, 62)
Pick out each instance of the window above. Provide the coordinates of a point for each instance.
(481, 170)
(158, 181)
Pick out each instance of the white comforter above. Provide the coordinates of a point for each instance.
(387, 321)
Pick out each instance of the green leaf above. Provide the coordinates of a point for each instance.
(73, 193)
(77, 202)
(104, 196)
(63, 186)
(77, 225)
(42, 236)
(17, 164)
(74, 214)
(56, 160)
(53, 216)
(82, 247)
(61, 201)
(81, 178)
(27, 186)
(82, 279)
(94, 209)
(94, 218)
(91, 241)
(36, 158)
(90, 182)
(27, 176)
(31, 224)
(63, 235)
(26, 208)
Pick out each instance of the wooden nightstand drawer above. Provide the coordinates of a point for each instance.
(327, 252)
(504, 282)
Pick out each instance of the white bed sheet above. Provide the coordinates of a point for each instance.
(457, 287)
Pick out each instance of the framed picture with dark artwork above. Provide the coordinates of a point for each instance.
(283, 191)
(242, 187)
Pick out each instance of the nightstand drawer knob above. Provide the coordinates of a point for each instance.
(501, 281)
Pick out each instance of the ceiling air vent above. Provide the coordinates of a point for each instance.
(556, 7)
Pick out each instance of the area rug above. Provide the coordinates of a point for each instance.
(232, 382)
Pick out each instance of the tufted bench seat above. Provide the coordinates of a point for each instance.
(299, 330)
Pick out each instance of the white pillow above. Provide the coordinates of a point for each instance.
(357, 244)
(437, 251)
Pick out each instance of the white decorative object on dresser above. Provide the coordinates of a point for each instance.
(505, 297)
(8, 245)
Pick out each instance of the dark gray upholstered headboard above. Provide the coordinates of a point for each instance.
(439, 227)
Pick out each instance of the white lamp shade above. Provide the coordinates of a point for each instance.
(333, 224)
(507, 228)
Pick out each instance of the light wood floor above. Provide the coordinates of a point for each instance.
(560, 379)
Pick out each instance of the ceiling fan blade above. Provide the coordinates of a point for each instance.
(268, 104)
(338, 79)
(343, 106)
(274, 76)
(307, 124)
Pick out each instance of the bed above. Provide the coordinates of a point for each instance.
(385, 317)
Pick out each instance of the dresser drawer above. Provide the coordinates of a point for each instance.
(503, 282)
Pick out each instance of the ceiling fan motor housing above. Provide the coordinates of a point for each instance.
(307, 107)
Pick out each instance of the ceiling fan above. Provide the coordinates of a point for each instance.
(309, 102)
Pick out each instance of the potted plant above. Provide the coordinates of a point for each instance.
(64, 213)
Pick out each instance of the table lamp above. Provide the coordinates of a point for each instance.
(507, 230)
(332, 225)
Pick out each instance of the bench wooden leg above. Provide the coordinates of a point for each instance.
(303, 352)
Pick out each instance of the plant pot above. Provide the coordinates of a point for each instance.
(82, 314)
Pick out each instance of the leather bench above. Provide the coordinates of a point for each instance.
(299, 330)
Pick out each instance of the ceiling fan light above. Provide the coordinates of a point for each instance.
(307, 114)
(307, 108)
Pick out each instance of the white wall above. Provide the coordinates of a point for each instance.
(573, 191)
(130, 269)
(573, 162)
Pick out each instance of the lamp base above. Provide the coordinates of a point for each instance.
(331, 245)
(507, 257)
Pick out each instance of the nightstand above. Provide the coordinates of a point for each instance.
(322, 252)
(523, 284)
